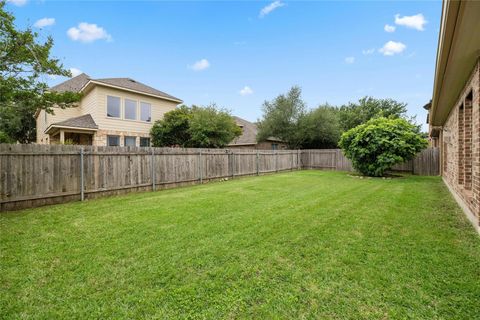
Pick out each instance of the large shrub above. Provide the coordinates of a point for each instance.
(195, 127)
(380, 143)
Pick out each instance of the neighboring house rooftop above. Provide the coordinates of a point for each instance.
(249, 133)
(80, 82)
(82, 122)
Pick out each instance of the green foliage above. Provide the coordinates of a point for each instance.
(198, 127)
(5, 138)
(173, 129)
(282, 118)
(377, 145)
(24, 63)
(212, 128)
(354, 114)
(320, 128)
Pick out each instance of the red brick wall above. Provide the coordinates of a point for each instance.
(460, 141)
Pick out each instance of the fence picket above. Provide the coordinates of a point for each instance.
(33, 175)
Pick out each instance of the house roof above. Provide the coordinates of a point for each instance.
(74, 84)
(78, 83)
(82, 122)
(249, 133)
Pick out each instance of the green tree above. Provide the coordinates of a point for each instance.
(282, 118)
(212, 128)
(320, 128)
(379, 144)
(24, 62)
(196, 127)
(354, 114)
(173, 129)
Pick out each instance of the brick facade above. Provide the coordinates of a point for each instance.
(460, 143)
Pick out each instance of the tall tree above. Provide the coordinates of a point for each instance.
(354, 114)
(282, 118)
(24, 62)
(320, 128)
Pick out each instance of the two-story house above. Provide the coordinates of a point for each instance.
(112, 112)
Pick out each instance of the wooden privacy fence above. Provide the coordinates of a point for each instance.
(426, 163)
(35, 175)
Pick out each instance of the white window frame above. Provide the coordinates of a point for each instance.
(119, 106)
(149, 141)
(115, 136)
(125, 109)
(140, 114)
(129, 137)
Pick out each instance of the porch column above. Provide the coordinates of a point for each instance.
(62, 137)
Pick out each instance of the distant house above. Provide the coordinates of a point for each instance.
(248, 139)
(454, 112)
(112, 112)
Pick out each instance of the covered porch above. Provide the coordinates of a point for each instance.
(79, 131)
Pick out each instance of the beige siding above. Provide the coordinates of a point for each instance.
(159, 108)
(94, 102)
(89, 102)
(59, 115)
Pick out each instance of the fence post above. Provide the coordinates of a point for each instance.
(298, 159)
(153, 169)
(276, 159)
(200, 166)
(233, 164)
(257, 164)
(82, 194)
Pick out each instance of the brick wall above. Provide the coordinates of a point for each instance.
(460, 141)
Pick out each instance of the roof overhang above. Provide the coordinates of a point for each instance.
(457, 54)
(54, 128)
(92, 83)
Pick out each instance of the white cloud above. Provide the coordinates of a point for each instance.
(88, 32)
(200, 65)
(44, 22)
(272, 6)
(349, 60)
(389, 28)
(391, 48)
(246, 91)
(75, 72)
(18, 3)
(368, 51)
(415, 22)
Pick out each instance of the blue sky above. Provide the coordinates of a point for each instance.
(239, 54)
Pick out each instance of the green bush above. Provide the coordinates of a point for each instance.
(379, 144)
(195, 127)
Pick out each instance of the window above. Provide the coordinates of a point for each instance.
(144, 142)
(274, 146)
(130, 109)
(113, 107)
(145, 111)
(130, 141)
(113, 141)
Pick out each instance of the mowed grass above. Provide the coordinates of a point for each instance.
(307, 244)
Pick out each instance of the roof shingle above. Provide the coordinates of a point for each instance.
(85, 122)
(75, 84)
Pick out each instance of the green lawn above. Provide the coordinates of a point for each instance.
(307, 244)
